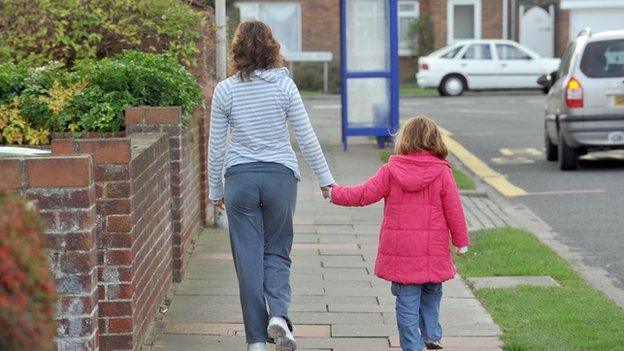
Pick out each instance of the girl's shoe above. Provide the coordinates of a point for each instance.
(257, 346)
(433, 345)
(278, 331)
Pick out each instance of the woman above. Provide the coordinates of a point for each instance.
(256, 104)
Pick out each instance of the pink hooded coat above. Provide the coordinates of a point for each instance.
(422, 207)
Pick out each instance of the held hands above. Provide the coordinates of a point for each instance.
(219, 204)
(326, 191)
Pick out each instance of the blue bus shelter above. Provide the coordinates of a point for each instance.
(369, 69)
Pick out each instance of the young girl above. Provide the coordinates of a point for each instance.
(422, 206)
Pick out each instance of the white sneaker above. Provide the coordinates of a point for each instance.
(257, 346)
(278, 331)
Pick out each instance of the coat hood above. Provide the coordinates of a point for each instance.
(415, 171)
(271, 75)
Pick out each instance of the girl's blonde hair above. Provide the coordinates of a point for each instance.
(420, 133)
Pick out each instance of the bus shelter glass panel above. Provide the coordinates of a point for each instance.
(368, 30)
(369, 102)
(369, 68)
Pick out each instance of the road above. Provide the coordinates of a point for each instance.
(584, 207)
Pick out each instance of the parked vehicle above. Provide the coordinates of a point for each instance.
(585, 106)
(482, 64)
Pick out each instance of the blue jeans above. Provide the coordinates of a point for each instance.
(418, 314)
(260, 201)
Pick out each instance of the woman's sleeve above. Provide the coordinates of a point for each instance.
(454, 212)
(306, 138)
(373, 190)
(217, 142)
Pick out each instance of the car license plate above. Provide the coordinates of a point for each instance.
(616, 137)
(619, 100)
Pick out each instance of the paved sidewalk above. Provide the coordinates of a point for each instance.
(337, 303)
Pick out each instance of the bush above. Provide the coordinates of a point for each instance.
(422, 30)
(309, 76)
(38, 31)
(91, 97)
(26, 288)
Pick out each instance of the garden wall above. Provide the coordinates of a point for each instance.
(122, 211)
(64, 189)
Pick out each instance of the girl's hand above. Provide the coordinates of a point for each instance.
(219, 203)
(461, 250)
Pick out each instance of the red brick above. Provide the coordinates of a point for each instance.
(113, 206)
(119, 291)
(118, 257)
(117, 190)
(115, 308)
(104, 151)
(79, 241)
(76, 220)
(120, 325)
(62, 147)
(119, 224)
(77, 262)
(163, 115)
(10, 174)
(135, 115)
(105, 173)
(48, 199)
(59, 171)
(116, 342)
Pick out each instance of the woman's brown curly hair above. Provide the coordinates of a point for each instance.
(253, 47)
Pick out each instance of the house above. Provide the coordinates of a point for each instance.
(546, 26)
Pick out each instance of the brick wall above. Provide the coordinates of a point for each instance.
(492, 19)
(64, 191)
(186, 170)
(562, 31)
(437, 8)
(134, 230)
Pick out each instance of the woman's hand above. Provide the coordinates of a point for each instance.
(219, 203)
(326, 190)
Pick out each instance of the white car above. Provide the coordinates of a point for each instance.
(483, 64)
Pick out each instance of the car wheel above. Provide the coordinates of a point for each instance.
(441, 91)
(453, 85)
(568, 157)
(551, 149)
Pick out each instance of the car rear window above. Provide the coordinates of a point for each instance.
(604, 59)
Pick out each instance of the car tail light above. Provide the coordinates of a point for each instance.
(574, 94)
(423, 67)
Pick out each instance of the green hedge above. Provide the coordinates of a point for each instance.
(38, 31)
(90, 97)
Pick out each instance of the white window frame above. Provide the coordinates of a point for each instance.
(450, 15)
(298, 27)
(414, 14)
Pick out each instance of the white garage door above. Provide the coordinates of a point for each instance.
(599, 20)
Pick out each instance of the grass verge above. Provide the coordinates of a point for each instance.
(571, 317)
(412, 90)
(463, 181)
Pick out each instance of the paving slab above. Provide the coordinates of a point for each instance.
(512, 282)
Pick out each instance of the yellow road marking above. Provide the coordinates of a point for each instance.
(480, 168)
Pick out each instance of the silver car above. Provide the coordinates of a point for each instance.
(585, 105)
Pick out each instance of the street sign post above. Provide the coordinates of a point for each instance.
(369, 69)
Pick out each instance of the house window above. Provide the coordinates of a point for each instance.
(464, 19)
(408, 14)
(284, 18)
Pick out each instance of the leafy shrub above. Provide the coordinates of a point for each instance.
(92, 96)
(309, 76)
(26, 288)
(422, 30)
(11, 80)
(66, 30)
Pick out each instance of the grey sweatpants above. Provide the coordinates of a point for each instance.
(260, 203)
